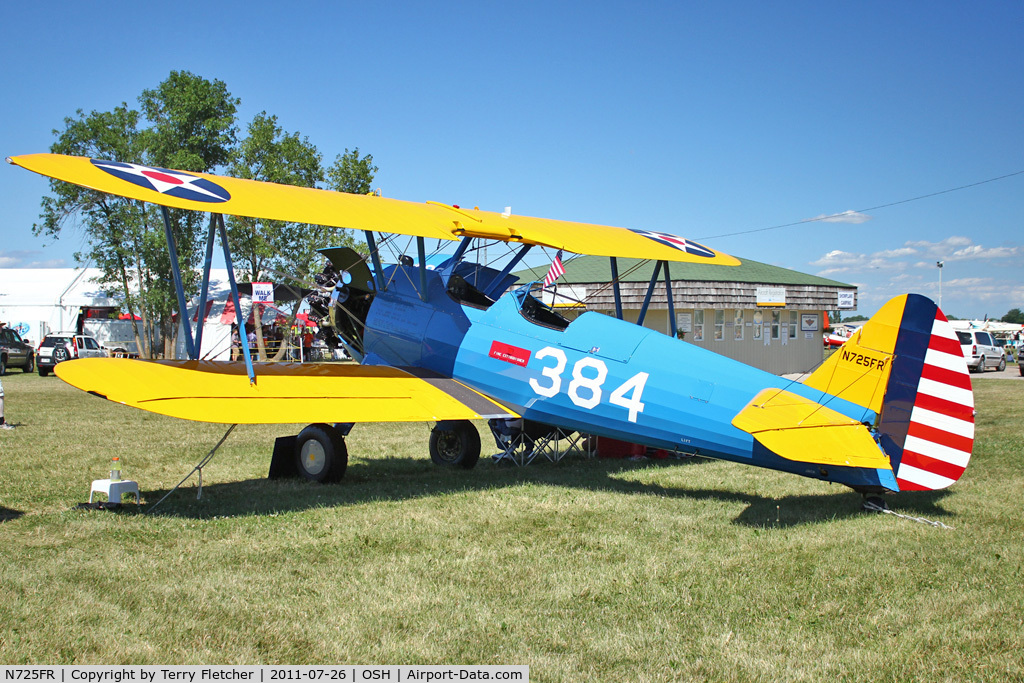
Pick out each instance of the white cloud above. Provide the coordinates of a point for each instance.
(895, 253)
(960, 248)
(951, 249)
(844, 262)
(838, 257)
(27, 259)
(946, 245)
(843, 217)
(979, 252)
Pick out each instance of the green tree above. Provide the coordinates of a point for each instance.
(263, 248)
(350, 173)
(192, 129)
(270, 154)
(115, 227)
(353, 174)
(193, 123)
(1015, 316)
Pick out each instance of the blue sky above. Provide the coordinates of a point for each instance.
(713, 121)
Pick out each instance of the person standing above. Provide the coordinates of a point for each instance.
(3, 423)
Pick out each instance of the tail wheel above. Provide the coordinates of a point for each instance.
(455, 443)
(321, 454)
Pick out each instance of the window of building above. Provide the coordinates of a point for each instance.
(719, 324)
(738, 325)
(794, 323)
(758, 323)
(776, 324)
(698, 325)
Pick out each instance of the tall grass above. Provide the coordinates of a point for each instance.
(596, 570)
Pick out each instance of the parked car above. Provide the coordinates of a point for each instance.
(15, 351)
(61, 346)
(981, 351)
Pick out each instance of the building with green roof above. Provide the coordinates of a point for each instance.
(762, 315)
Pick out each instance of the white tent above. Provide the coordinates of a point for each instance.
(220, 316)
(36, 301)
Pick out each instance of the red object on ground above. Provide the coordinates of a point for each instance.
(613, 448)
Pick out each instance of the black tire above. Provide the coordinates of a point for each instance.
(60, 354)
(43, 372)
(321, 454)
(30, 365)
(3, 365)
(455, 443)
(1002, 363)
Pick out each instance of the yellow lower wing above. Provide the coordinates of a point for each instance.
(797, 428)
(240, 197)
(284, 393)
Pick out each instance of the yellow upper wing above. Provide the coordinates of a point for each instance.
(237, 197)
(285, 393)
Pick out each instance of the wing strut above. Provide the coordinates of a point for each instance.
(671, 306)
(178, 288)
(421, 251)
(615, 287)
(378, 271)
(234, 297)
(650, 291)
(496, 283)
(193, 346)
(200, 315)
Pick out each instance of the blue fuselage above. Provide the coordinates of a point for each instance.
(599, 375)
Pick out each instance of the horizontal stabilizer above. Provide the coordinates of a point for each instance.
(284, 393)
(797, 428)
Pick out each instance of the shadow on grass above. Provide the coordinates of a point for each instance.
(398, 479)
(7, 515)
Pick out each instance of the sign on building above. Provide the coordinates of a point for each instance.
(771, 296)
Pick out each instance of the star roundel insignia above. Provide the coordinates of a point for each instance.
(173, 183)
(689, 246)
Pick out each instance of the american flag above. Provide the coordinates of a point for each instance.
(556, 271)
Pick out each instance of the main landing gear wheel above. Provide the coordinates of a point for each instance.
(321, 454)
(455, 443)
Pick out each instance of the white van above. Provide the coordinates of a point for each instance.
(981, 351)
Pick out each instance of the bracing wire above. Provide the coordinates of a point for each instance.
(865, 210)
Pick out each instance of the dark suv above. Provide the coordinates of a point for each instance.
(15, 352)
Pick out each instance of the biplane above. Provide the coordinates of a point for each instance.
(453, 341)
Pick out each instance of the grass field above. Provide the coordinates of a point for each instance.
(592, 570)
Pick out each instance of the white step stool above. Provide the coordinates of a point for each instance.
(114, 489)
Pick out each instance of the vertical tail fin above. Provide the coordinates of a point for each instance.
(906, 365)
